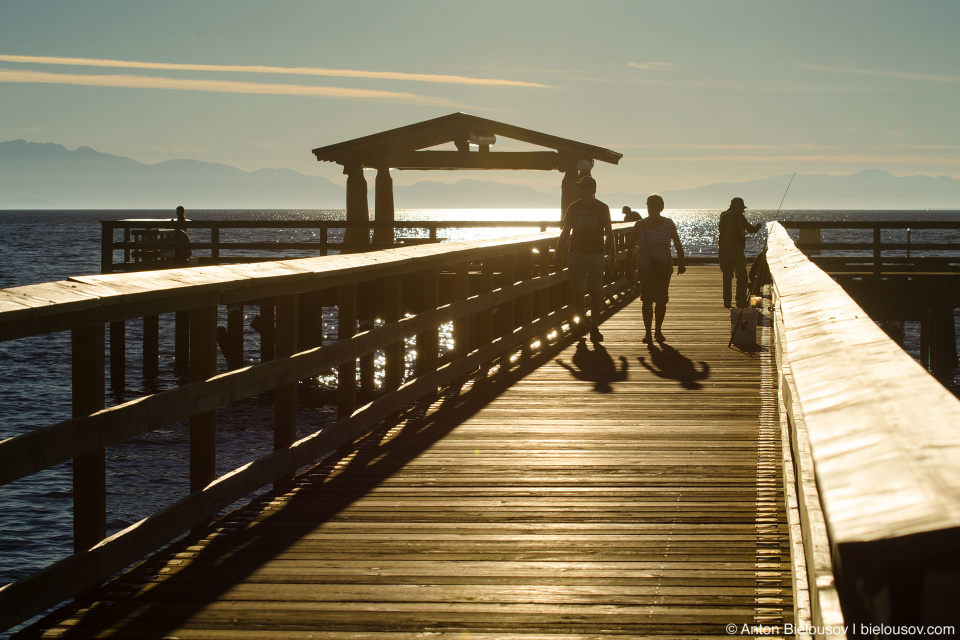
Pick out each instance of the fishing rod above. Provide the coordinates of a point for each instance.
(759, 277)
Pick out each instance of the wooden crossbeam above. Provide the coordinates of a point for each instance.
(535, 160)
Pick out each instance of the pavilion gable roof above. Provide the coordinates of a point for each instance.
(460, 128)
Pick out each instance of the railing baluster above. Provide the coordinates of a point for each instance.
(285, 397)
(151, 346)
(428, 342)
(203, 427)
(346, 328)
(89, 470)
(394, 352)
(461, 327)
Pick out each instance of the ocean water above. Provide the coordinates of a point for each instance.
(148, 473)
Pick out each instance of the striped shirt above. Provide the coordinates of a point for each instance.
(658, 241)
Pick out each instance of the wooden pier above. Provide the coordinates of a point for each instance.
(522, 484)
(592, 490)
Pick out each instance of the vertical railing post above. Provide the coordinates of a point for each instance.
(428, 342)
(508, 320)
(877, 257)
(393, 353)
(106, 246)
(267, 329)
(461, 326)
(543, 296)
(484, 319)
(367, 366)
(346, 328)
(118, 355)
(89, 470)
(151, 346)
(525, 273)
(203, 427)
(285, 397)
(215, 244)
(181, 342)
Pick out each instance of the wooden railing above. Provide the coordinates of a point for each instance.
(873, 441)
(878, 255)
(516, 276)
(143, 244)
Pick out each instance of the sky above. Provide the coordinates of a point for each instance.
(691, 92)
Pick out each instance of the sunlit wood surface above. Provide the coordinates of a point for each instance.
(587, 493)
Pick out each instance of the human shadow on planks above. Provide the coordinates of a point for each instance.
(595, 366)
(667, 362)
(242, 542)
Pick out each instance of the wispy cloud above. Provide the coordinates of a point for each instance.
(303, 71)
(728, 147)
(899, 75)
(650, 66)
(221, 86)
(820, 159)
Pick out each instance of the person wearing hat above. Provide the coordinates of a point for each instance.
(733, 228)
(587, 230)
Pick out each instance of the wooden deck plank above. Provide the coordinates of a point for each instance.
(615, 491)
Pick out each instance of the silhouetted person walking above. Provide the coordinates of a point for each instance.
(651, 245)
(586, 230)
(733, 228)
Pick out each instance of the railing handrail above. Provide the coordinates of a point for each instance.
(85, 304)
(874, 436)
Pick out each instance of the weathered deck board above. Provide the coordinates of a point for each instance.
(605, 492)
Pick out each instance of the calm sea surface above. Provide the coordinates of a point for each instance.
(148, 473)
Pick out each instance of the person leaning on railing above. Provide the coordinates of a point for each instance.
(182, 251)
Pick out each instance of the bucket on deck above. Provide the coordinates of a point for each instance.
(743, 326)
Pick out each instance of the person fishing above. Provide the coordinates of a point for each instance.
(651, 246)
(733, 227)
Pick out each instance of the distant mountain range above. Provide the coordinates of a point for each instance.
(49, 176)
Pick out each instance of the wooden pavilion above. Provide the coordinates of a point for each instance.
(405, 148)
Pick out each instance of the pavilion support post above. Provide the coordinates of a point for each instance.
(383, 207)
(357, 209)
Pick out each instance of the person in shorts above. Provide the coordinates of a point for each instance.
(651, 246)
(587, 232)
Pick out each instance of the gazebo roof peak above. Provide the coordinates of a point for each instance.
(402, 147)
